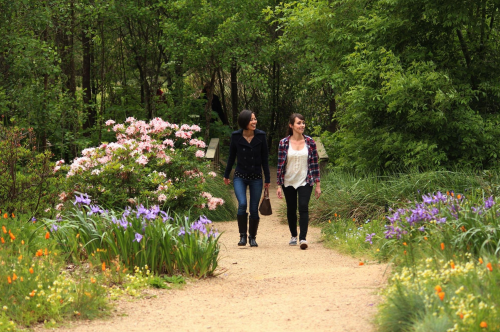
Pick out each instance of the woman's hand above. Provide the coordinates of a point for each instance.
(278, 192)
(227, 181)
(317, 190)
(267, 185)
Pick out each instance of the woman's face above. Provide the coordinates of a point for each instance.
(253, 123)
(298, 126)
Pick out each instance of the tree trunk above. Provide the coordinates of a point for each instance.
(234, 93)
(208, 107)
(86, 82)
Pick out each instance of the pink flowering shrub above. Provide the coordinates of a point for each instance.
(150, 163)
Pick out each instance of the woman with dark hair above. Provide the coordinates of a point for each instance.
(298, 171)
(249, 147)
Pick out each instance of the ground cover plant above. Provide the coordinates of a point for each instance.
(444, 248)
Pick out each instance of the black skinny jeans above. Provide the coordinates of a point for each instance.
(304, 195)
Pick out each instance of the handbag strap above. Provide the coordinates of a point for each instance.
(266, 193)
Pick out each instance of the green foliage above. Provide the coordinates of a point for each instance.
(228, 210)
(28, 182)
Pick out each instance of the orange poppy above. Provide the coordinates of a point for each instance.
(33, 293)
(31, 270)
(13, 216)
(425, 238)
(1, 238)
(361, 263)
(12, 237)
(47, 235)
(404, 243)
(461, 315)
(459, 196)
(452, 265)
(4, 229)
(5, 215)
(39, 253)
(14, 277)
(9, 280)
(483, 325)
(442, 246)
(463, 229)
(441, 295)
(46, 252)
(104, 266)
(480, 260)
(92, 280)
(489, 267)
(438, 289)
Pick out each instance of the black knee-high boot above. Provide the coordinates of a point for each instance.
(253, 225)
(242, 226)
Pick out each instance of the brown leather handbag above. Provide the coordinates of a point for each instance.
(265, 206)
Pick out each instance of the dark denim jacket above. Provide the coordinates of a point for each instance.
(251, 157)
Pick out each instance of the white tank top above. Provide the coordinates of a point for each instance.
(296, 167)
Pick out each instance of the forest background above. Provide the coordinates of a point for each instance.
(388, 84)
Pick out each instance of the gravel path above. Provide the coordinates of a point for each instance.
(274, 287)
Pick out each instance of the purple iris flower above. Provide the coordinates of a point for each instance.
(82, 199)
(488, 204)
(54, 228)
(124, 223)
(138, 237)
(182, 231)
(33, 219)
(114, 220)
(141, 210)
(427, 199)
(165, 217)
(422, 229)
(369, 237)
(94, 209)
(441, 220)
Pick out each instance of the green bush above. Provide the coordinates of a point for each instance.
(28, 182)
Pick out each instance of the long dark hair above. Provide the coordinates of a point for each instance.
(244, 118)
(291, 120)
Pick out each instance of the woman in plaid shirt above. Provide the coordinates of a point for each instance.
(298, 171)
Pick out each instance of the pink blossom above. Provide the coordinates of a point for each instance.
(62, 196)
(110, 122)
(118, 127)
(59, 206)
(142, 160)
(206, 195)
(57, 168)
(200, 154)
(168, 159)
(161, 155)
(88, 152)
(195, 128)
(130, 130)
(168, 142)
(130, 119)
(59, 162)
(198, 143)
(162, 198)
(212, 174)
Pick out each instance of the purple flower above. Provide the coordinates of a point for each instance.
(54, 228)
(488, 204)
(124, 223)
(138, 237)
(441, 220)
(182, 231)
(165, 217)
(83, 199)
(94, 209)
(369, 237)
(422, 229)
(33, 219)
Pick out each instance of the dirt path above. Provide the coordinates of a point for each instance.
(274, 287)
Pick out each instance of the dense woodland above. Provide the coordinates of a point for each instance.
(388, 84)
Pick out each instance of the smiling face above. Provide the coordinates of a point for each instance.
(298, 126)
(253, 123)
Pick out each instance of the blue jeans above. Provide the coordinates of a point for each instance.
(240, 190)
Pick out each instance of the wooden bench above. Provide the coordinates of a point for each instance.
(213, 153)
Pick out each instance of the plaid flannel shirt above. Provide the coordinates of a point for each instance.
(312, 160)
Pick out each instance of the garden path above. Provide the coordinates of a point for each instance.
(274, 287)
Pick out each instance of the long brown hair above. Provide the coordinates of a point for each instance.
(291, 121)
